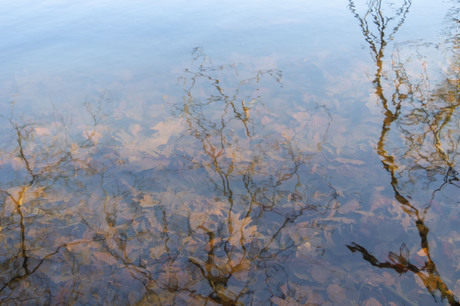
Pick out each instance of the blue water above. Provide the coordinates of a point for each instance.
(229, 152)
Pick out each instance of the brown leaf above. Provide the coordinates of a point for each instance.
(242, 233)
(350, 206)
(148, 201)
(105, 257)
(315, 299)
(278, 301)
(320, 275)
(336, 293)
(157, 251)
(372, 302)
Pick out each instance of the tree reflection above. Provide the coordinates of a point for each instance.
(213, 221)
(246, 198)
(426, 121)
(39, 166)
(258, 180)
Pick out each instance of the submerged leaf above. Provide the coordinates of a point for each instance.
(336, 293)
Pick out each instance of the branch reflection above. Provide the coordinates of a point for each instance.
(426, 119)
(40, 166)
(214, 221)
(258, 179)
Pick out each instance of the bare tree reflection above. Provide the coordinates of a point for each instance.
(237, 198)
(239, 235)
(36, 173)
(425, 119)
(259, 184)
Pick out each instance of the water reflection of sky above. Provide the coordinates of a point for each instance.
(75, 34)
(100, 41)
(282, 120)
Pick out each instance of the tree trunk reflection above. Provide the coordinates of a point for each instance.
(406, 105)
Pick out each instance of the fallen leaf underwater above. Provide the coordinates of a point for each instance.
(244, 187)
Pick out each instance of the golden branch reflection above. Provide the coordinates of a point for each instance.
(424, 118)
(251, 224)
(238, 196)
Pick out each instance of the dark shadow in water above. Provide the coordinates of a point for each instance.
(408, 105)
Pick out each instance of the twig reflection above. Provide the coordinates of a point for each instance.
(409, 104)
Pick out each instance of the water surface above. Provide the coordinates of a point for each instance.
(230, 153)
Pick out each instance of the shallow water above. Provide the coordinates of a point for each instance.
(231, 153)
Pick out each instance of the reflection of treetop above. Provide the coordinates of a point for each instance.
(419, 138)
(377, 21)
(216, 95)
(260, 175)
(239, 137)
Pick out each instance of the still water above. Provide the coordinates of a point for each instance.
(284, 153)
